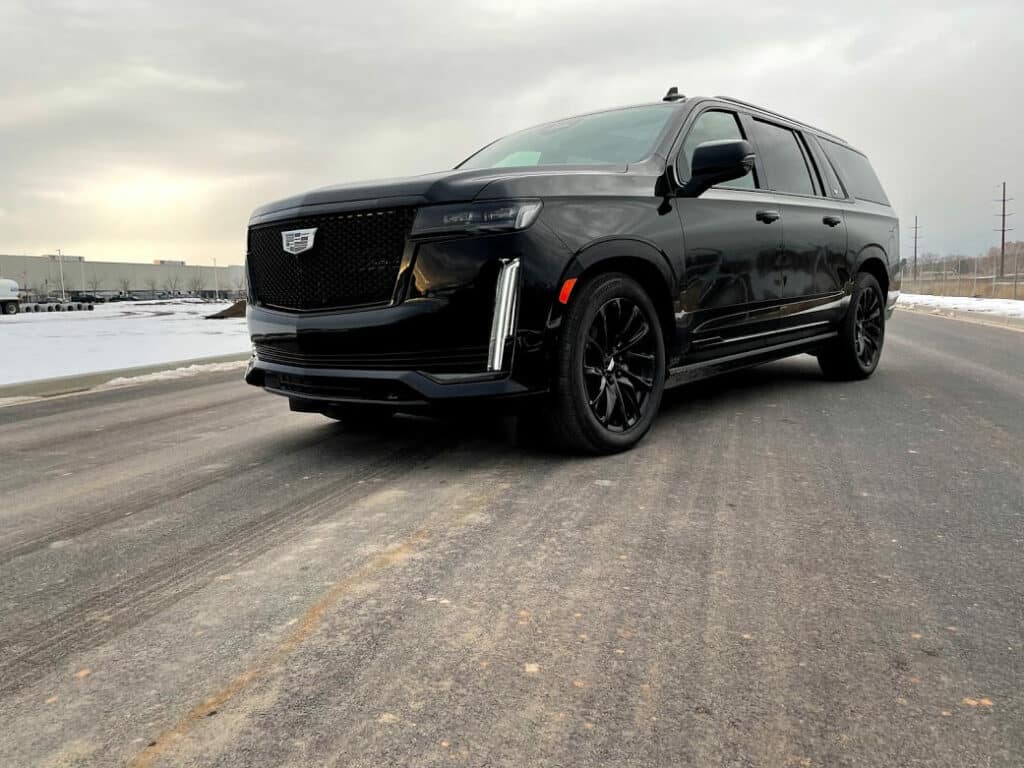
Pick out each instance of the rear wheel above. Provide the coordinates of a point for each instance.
(610, 368)
(855, 352)
(11, 308)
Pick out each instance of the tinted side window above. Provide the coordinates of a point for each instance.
(857, 174)
(716, 126)
(783, 159)
(833, 186)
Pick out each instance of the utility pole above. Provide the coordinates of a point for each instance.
(216, 285)
(915, 229)
(1002, 237)
(1002, 234)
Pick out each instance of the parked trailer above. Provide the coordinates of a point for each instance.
(9, 300)
(11, 304)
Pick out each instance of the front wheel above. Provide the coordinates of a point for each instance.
(610, 368)
(11, 308)
(855, 352)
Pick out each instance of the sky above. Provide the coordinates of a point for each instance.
(135, 130)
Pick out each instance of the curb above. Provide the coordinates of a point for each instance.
(64, 385)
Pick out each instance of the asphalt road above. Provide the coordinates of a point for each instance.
(787, 572)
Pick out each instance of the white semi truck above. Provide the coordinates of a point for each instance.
(9, 300)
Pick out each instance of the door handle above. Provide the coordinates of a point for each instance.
(767, 216)
(832, 221)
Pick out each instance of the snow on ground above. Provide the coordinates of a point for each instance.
(175, 373)
(998, 307)
(119, 335)
(128, 334)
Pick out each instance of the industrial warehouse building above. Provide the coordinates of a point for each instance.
(39, 276)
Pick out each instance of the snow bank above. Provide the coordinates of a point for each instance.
(114, 336)
(998, 307)
(174, 373)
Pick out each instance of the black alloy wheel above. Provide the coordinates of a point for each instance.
(619, 364)
(610, 368)
(857, 348)
(868, 328)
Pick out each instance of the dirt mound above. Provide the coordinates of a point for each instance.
(235, 310)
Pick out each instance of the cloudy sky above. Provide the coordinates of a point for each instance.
(136, 130)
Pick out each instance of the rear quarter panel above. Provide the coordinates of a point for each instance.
(874, 232)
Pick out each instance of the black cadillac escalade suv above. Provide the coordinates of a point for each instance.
(581, 266)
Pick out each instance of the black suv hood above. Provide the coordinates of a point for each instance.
(450, 187)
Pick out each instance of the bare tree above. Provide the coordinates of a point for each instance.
(95, 282)
(195, 284)
(173, 283)
(126, 285)
(151, 285)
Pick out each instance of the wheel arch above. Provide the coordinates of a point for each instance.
(872, 260)
(640, 260)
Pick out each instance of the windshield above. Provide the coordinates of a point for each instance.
(617, 137)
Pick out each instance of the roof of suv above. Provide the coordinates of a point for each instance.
(679, 99)
(747, 104)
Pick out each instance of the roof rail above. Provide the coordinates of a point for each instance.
(784, 117)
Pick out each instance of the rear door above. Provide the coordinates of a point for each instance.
(733, 238)
(870, 220)
(812, 266)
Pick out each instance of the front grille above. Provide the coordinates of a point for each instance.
(354, 260)
(456, 360)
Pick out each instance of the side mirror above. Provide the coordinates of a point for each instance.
(715, 162)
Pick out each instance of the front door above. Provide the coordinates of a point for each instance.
(733, 239)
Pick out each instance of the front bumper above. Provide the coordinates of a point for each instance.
(390, 356)
(398, 389)
(469, 323)
(890, 302)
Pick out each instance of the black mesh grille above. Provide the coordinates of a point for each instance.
(354, 260)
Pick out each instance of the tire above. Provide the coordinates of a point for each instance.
(360, 417)
(606, 394)
(855, 352)
(11, 308)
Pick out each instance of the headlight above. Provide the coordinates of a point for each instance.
(476, 218)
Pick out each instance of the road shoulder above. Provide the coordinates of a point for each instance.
(11, 394)
(997, 321)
